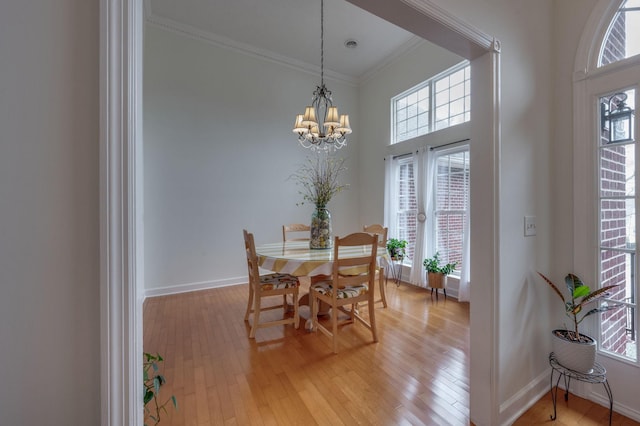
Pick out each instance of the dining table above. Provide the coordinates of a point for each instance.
(298, 259)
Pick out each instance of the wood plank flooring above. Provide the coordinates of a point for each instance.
(575, 411)
(417, 374)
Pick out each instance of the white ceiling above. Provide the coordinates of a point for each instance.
(290, 30)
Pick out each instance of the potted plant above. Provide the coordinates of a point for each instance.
(152, 381)
(436, 274)
(572, 349)
(319, 179)
(396, 248)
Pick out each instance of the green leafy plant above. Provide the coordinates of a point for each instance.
(432, 264)
(318, 178)
(396, 248)
(152, 382)
(581, 295)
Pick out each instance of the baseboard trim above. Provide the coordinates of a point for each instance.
(617, 407)
(521, 401)
(188, 287)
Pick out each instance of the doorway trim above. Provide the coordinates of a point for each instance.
(121, 227)
(121, 198)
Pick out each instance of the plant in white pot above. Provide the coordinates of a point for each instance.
(574, 350)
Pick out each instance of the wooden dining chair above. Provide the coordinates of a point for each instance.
(296, 229)
(352, 282)
(261, 286)
(382, 232)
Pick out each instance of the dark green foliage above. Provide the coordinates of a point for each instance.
(152, 382)
(432, 264)
(581, 295)
(396, 248)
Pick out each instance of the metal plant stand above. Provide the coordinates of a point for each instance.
(396, 270)
(598, 375)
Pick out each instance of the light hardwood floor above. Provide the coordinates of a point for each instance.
(416, 374)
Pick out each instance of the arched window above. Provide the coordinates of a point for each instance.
(622, 39)
(607, 157)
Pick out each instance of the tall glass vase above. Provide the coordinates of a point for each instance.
(321, 233)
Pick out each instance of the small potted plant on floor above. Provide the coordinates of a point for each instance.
(153, 381)
(436, 274)
(572, 349)
(396, 248)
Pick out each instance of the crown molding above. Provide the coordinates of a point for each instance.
(243, 48)
(453, 23)
(406, 47)
(246, 49)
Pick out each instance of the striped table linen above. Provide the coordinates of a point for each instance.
(296, 258)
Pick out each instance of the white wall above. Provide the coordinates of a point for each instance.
(570, 18)
(49, 264)
(218, 154)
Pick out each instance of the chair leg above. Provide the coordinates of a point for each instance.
(444, 290)
(372, 319)
(383, 291)
(334, 328)
(314, 311)
(249, 303)
(256, 315)
(296, 317)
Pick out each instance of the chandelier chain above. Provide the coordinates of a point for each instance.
(322, 42)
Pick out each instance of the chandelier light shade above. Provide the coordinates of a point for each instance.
(321, 127)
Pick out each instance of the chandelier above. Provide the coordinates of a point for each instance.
(320, 127)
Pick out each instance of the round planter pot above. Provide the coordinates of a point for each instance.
(577, 356)
(436, 280)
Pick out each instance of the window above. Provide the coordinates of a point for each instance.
(617, 228)
(623, 36)
(406, 206)
(416, 112)
(617, 199)
(451, 204)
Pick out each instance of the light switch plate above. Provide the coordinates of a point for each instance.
(529, 226)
